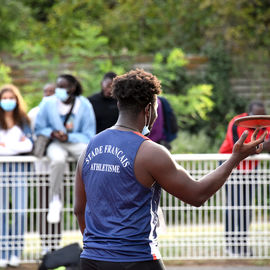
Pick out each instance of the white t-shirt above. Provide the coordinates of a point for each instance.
(15, 142)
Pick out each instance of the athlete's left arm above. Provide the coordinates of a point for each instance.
(80, 197)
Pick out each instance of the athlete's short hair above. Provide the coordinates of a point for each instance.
(135, 89)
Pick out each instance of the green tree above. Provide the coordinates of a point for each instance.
(191, 101)
(4, 73)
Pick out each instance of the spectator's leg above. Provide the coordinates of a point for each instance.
(75, 149)
(4, 221)
(57, 155)
(50, 234)
(231, 215)
(245, 200)
(19, 201)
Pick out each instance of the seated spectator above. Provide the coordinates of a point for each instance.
(15, 139)
(105, 106)
(68, 119)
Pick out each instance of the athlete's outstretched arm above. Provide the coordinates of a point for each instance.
(80, 197)
(174, 179)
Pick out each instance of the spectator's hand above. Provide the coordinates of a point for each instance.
(62, 136)
(241, 150)
(22, 138)
(59, 135)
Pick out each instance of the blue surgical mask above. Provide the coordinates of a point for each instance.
(62, 94)
(146, 129)
(8, 104)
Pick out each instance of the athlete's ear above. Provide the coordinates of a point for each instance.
(148, 107)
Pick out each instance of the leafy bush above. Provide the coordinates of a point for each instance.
(4, 73)
(189, 100)
(187, 143)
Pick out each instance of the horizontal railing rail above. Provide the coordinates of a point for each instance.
(234, 223)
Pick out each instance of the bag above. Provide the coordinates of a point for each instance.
(41, 145)
(67, 256)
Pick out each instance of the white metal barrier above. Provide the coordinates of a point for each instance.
(234, 223)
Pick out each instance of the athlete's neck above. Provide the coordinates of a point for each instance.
(126, 127)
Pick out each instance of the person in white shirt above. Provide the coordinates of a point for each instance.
(15, 139)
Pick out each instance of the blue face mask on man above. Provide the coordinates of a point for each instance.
(8, 104)
(62, 94)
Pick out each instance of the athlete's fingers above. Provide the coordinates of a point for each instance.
(260, 139)
(259, 148)
(243, 138)
(254, 135)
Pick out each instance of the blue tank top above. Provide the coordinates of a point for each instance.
(121, 214)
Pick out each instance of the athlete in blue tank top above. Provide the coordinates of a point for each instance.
(121, 213)
(118, 180)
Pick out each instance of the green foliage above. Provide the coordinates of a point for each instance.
(187, 143)
(15, 21)
(189, 100)
(226, 103)
(81, 51)
(204, 101)
(142, 26)
(4, 73)
(85, 38)
(194, 105)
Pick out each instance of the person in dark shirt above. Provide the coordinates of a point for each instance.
(105, 106)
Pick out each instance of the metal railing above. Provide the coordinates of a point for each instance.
(234, 223)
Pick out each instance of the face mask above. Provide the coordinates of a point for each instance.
(146, 129)
(8, 104)
(62, 94)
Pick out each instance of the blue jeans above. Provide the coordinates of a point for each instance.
(13, 205)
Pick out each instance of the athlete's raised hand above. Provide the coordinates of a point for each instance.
(241, 150)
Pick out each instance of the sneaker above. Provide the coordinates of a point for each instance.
(44, 251)
(55, 208)
(3, 263)
(14, 261)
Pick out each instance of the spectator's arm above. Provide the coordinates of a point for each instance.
(41, 124)
(15, 148)
(87, 126)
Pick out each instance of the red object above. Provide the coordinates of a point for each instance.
(234, 132)
(253, 121)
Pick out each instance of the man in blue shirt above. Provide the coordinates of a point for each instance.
(119, 179)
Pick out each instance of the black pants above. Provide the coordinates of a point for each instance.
(50, 234)
(238, 215)
(87, 264)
